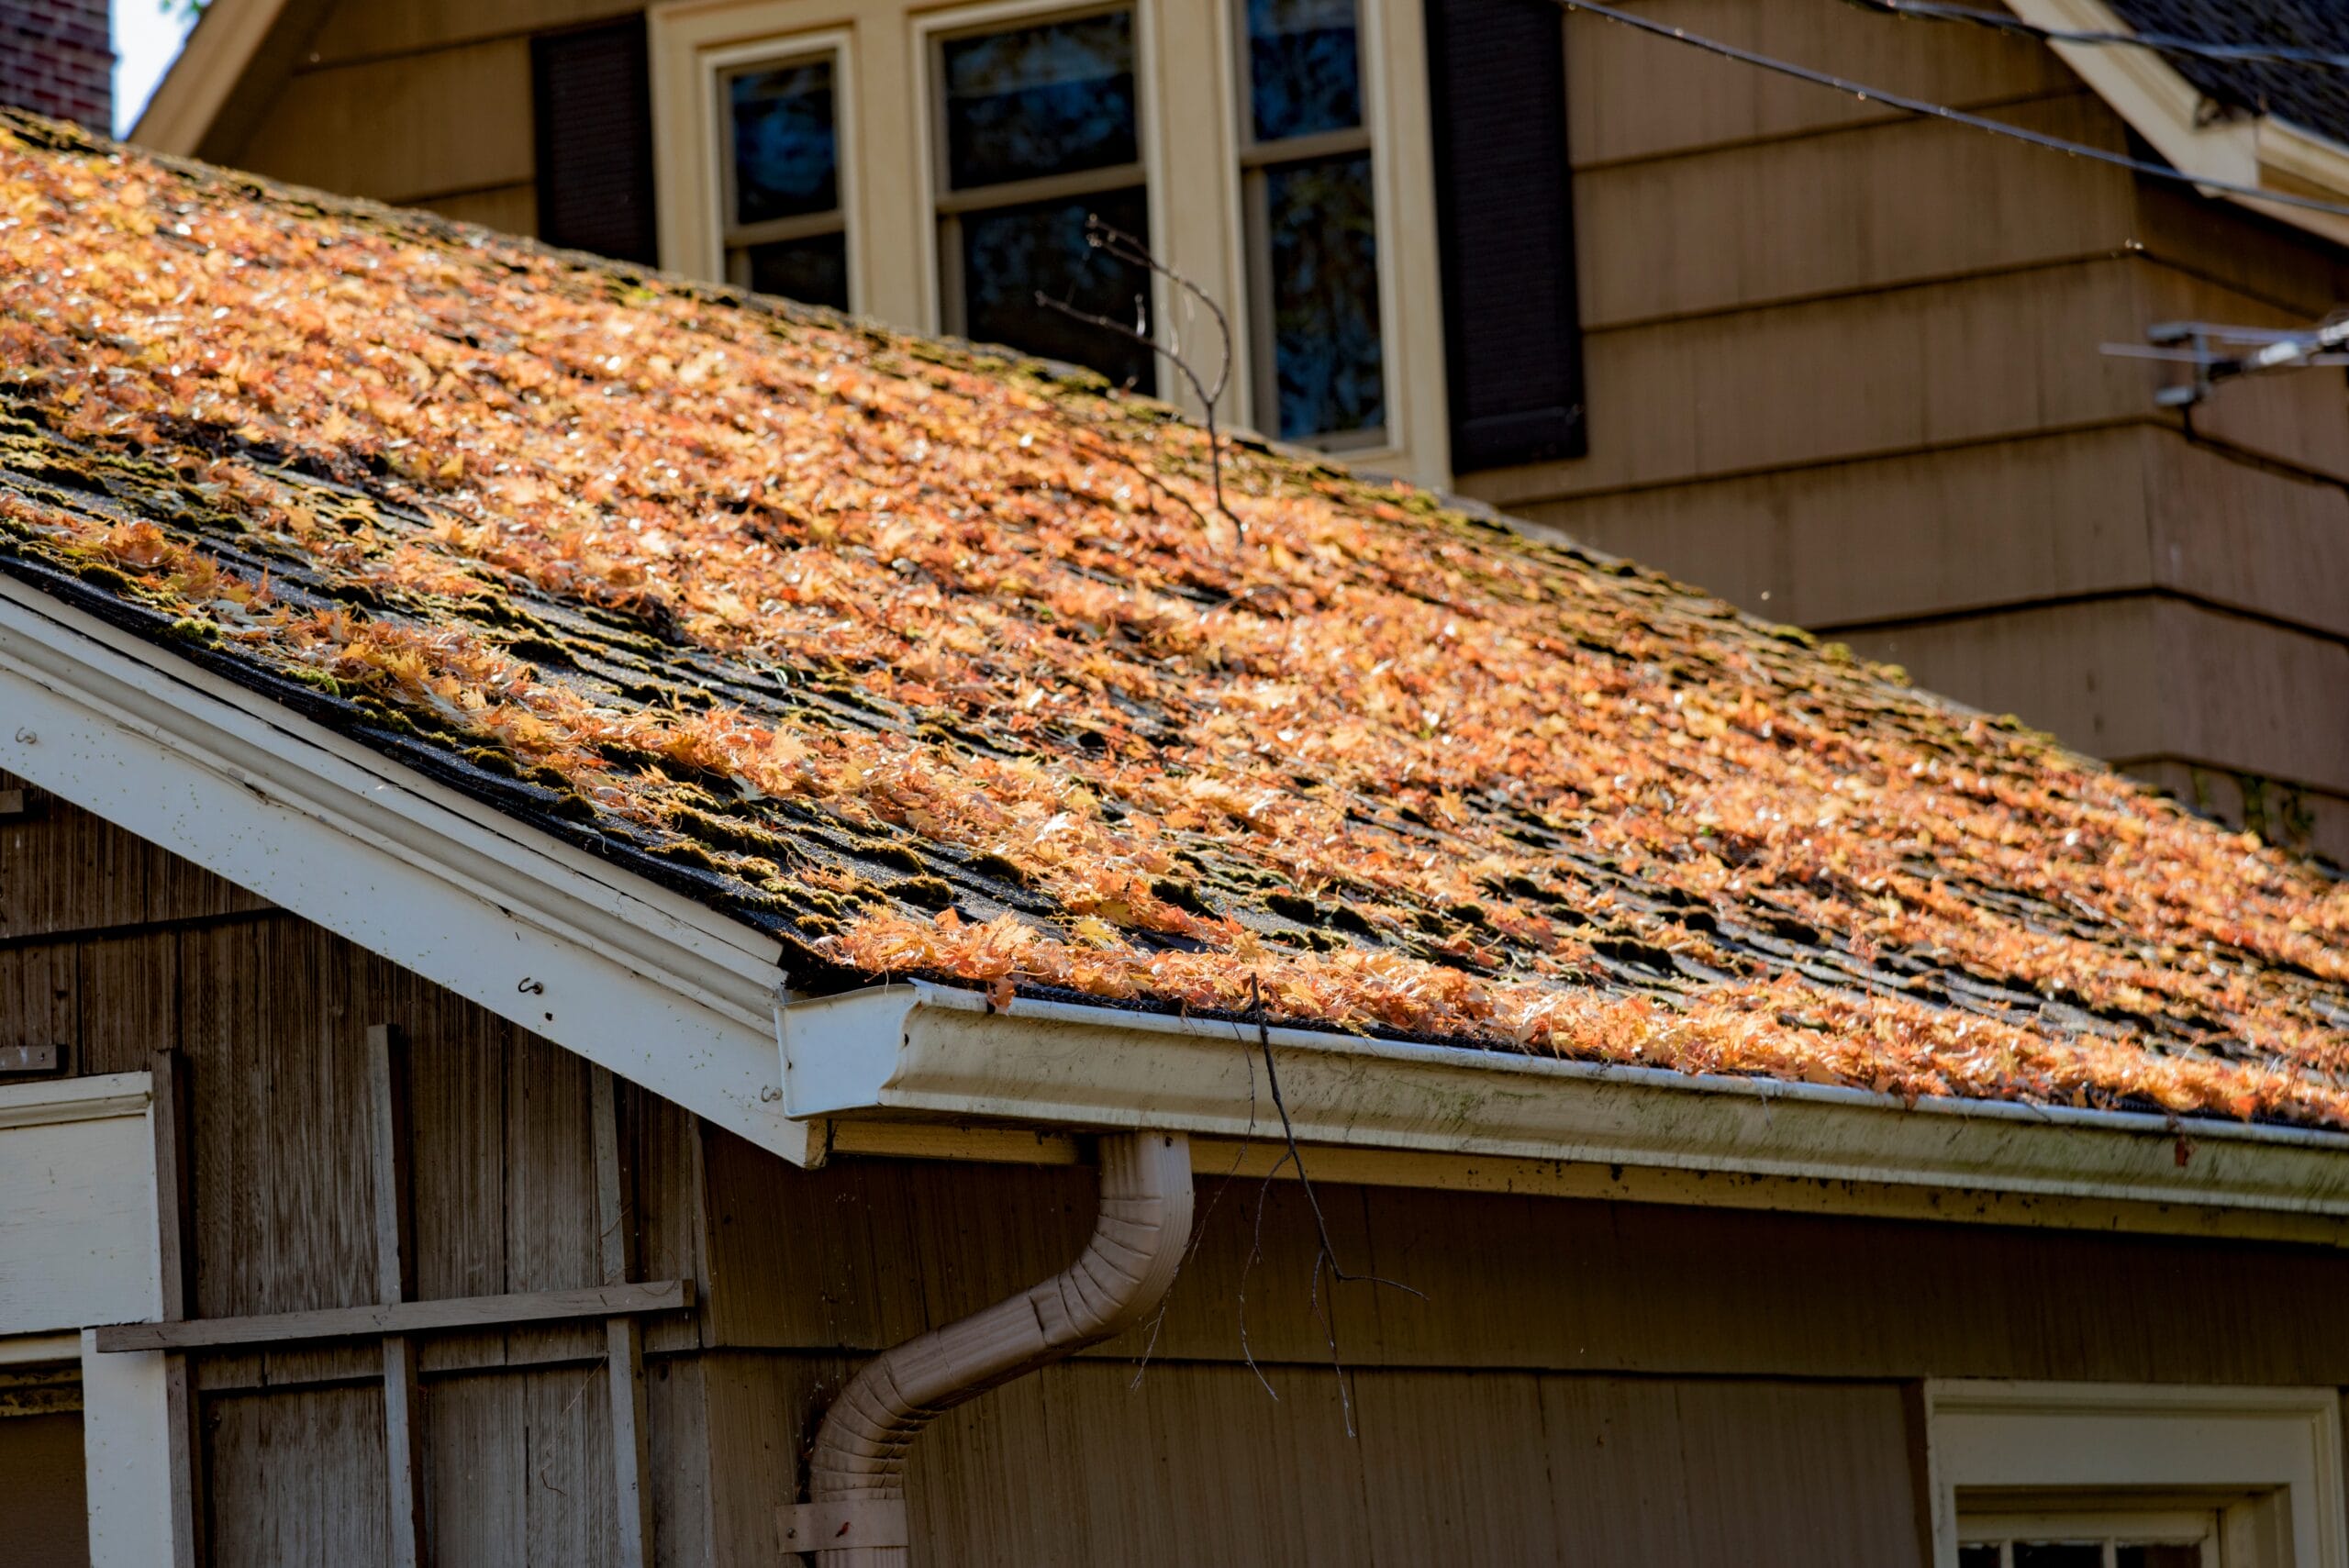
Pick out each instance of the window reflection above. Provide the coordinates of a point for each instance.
(814, 269)
(786, 159)
(1011, 254)
(1303, 67)
(1329, 368)
(1043, 129)
(1052, 99)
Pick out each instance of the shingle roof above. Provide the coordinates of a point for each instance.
(928, 659)
(2314, 97)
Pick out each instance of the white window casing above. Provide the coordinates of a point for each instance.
(2266, 1462)
(80, 1245)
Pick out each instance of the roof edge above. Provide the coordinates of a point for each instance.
(2165, 109)
(633, 977)
(924, 1052)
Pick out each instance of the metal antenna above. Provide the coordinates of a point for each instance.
(2255, 350)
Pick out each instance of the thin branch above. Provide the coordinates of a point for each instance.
(1120, 246)
(1326, 1256)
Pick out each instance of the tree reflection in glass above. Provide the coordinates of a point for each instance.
(1304, 68)
(786, 157)
(1328, 367)
(1055, 98)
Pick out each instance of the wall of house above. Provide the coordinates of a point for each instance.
(1843, 369)
(1564, 1381)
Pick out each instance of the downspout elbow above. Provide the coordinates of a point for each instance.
(856, 1514)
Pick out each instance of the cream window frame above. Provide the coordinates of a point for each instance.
(2268, 1461)
(692, 48)
(715, 65)
(1186, 54)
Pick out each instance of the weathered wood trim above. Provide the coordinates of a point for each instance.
(171, 1119)
(388, 1116)
(624, 1336)
(55, 1100)
(607, 965)
(278, 1329)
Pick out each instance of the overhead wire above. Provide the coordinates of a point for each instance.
(1928, 109)
(2160, 43)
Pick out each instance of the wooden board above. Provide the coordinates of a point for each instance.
(1631, 95)
(297, 1478)
(1836, 213)
(521, 1467)
(401, 1318)
(1867, 375)
(464, 114)
(2144, 678)
(363, 29)
(511, 209)
(63, 870)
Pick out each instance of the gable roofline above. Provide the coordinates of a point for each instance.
(633, 977)
(672, 996)
(225, 39)
(2170, 112)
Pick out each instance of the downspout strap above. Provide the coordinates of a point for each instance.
(844, 1524)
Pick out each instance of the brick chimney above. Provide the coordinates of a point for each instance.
(57, 59)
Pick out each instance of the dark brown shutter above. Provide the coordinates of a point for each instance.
(593, 102)
(1504, 204)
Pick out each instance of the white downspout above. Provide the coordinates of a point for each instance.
(856, 1516)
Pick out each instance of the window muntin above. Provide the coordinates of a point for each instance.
(2068, 1532)
(784, 229)
(1038, 127)
(1306, 185)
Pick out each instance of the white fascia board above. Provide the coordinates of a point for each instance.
(2146, 90)
(932, 1053)
(631, 977)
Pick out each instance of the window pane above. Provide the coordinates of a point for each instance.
(2059, 1554)
(2178, 1555)
(1327, 363)
(814, 269)
(786, 159)
(1984, 1556)
(1050, 99)
(1012, 253)
(1304, 71)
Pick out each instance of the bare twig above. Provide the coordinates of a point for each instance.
(1120, 246)
(1198, 1233)
(1326, 1256)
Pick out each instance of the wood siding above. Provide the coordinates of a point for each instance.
(1844, 371)
(1578, 1382)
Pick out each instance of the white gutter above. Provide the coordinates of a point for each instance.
(930, 1053)
(604, 963)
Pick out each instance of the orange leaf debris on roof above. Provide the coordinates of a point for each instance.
(931, 660)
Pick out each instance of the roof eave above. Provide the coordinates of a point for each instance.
(925, 1051)
(2168, 111)
(198, 85)
(626, 973)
